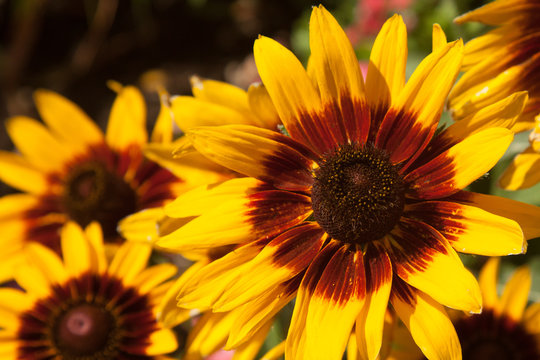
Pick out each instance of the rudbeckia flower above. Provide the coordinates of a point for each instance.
(83, 307)
(498, 63)
(506, 328)
(361, 205)
(68, 169)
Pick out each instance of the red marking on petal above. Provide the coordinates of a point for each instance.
(355, 118)
(343, 277)
(443, 216)
(433, 180)
(316, 268)
(377, 114)
(275, 211)
(417, 243)
(402, 291)
(402, 136)
(378, 267)
(297, 247)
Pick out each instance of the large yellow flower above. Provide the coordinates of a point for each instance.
(506, 329)
(69, 170)
(498, 63)
(360, 205)
(83, 307)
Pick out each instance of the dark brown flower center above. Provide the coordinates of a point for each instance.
(84, 330)
(94, 193)
(490, 337)
(357, 195)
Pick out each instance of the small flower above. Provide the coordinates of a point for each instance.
(83, 307)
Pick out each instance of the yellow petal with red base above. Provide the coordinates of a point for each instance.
(411, 121)
(339, 79)
(460, 165)
(259, 153)
(296, 100)
(127, 122)
(525, 215)
(280, 260)
(423, 258)
(262, 214)
(67, 120)
(470, 229)
(428, 323)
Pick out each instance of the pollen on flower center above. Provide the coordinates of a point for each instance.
(357, 195)
(84, 330)
(94, 193)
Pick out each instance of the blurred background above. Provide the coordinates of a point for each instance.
(75, 46)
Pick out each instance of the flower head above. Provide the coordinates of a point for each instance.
(83, 307)
(361, 205)
(69, 170)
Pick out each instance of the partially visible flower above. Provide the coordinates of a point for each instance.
(81, 306)
(499, 63)
(360, 206)
(506, 328)
(69, 170)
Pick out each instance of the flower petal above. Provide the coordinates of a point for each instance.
(386, 71)
(19, 173)
(76, 250)
(470, 229)
(261, 104)
(37, 144)
(340, 81)
(523, 172)
(48, 263)
(260, 153)
(262, 214)
(516, 294)
(423, 258)
(127, 121)
(487, 280)
(438, 38)
(162, 341)
(428, 323)
(280, 260)
(296, 100)
(67, 120)
(525, 215)
(370, 322)
(129, 260)
(411, 121)
(460, 165)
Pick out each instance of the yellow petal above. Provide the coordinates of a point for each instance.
(386, 72)
(460, 165)
(19, 173)
(37, 144)
(47, 262)
(429, 325)
(130, 259)
(67, 120)
(516, 294)
(470, 229)
(523, 172)
(163, 129)
(423, 258)
(153, 276)
(94, 234)
(488, 283)
(142, 226)
(162, 341)
(76, 250)
(250, 349)
(438, 38)
(127, 121)
(262, 106)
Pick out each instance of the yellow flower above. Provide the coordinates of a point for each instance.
(69, 170)
(81, 307)
(499, 63)
(361, 206)
(506, 328)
